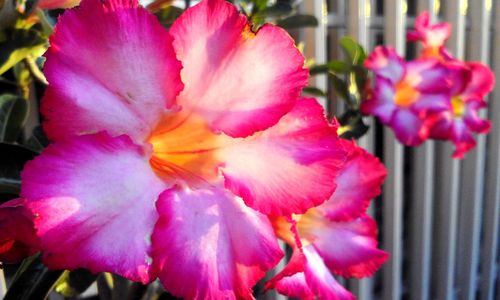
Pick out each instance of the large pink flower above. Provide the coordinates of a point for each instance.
(405, 92)
(158, 170)
(472, 81)
(336, 236)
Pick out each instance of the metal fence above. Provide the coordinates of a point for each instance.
(438, 217)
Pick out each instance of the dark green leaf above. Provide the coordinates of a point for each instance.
(18, 44)
(335, 66)
(298, 21)
(340, 87)
(13, 114)
(37, 141)
(352, 125)
(355, 54)
(32, 281)
(278, 10)
(73, 283)
(168, 15)
(360, 77)
(311, 90)
(12, 162)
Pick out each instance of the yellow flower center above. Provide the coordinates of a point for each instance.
(458, 106)
(184, 149)
(406, 94)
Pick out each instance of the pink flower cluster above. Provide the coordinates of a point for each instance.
(184, 155)
(435, 96)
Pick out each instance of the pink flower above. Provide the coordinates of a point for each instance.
(336, 236)
(433, 37)
(170, 148)
(472, 81)
(405, 92)
(18, 239)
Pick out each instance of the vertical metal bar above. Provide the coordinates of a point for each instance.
(320, 33)
(491, 215)
(448, 178)
(3, 286)
(393, 158)
(422, 201)
(472, 184)
(357, 27)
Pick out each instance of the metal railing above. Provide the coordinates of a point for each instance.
(438, 217)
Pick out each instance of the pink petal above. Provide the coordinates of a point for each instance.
(358, 182)
(472, 118)
(440, 125)
(430, 103)
(240, 81)
(307, 277)
(111, 66)
(208, 245)
(427, 76)
(408, 127)
(17, 233)
(386, 62)
(481, 83)
(288, 168)
(93, 197)
(381, 104)
(348, 248)
(462, 138)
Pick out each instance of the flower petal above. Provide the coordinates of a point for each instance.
(385, 62)
(408, 127)
(381, 104)
(240, 81)
(481, 83)
(427, 76)
(208, 245)
(358, 182)
(111, 66)
(288, 168)
(93, 197)
(348, 248)
(18, 238)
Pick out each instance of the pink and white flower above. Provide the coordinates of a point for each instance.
(432, 36)
(170, 148)
(336, 237)
(405, 93)
(471, 83)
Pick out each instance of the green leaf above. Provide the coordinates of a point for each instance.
(335, 66)
(352, 125)
(37, 141)
(168, 15)
(13, 114)
(32, 281)
(311, 90)
(278, 10)
(19, 44)
(340, 87)
(12, 162)
(72, 284)
(355, 54)
(298, 21)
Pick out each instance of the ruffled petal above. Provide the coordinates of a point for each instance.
(462, 138)
(289, 167)
(386, 62)
(472, 118)
(349, 248)
(408, 127)
(481, 83)
(111, 66)
(358, 182)
(240, 81)
(93, 198)
(428, 76)
(208, 245)
(17, 232)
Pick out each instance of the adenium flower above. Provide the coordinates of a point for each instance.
(17, 234)
(337, 236)
(433, 37)
(170, 148)
(405, 93)
(471, 83)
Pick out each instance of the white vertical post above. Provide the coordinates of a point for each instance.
(395, 18)
(491, 214)
(3, 285)
(320, 33)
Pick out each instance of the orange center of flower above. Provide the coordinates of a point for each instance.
(184, 148)
(458, 106)
(432, 52)
(406, 94)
